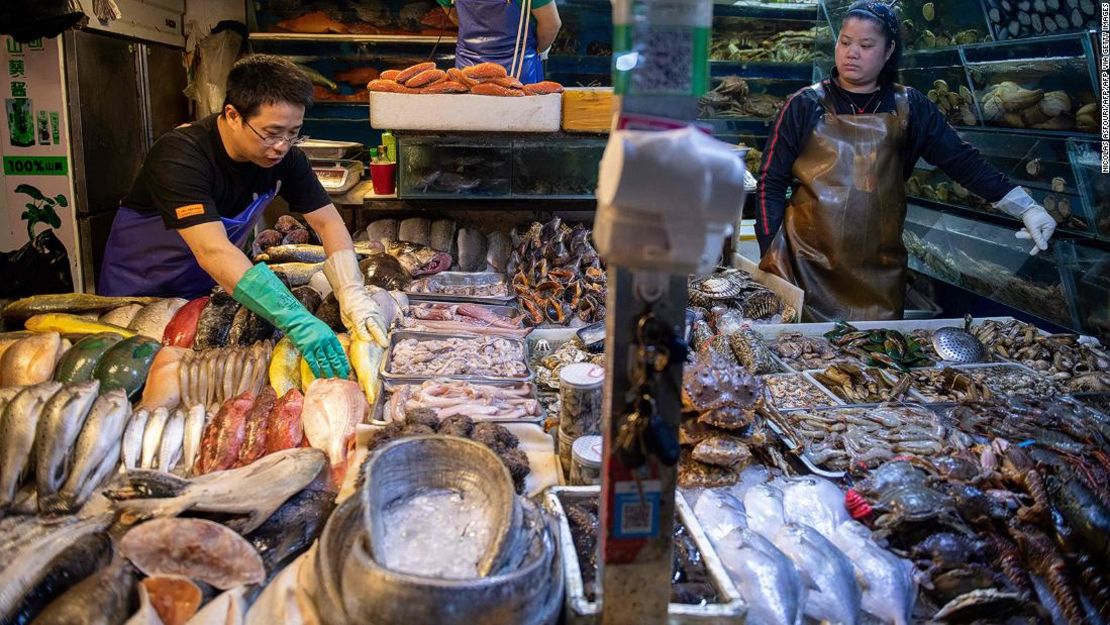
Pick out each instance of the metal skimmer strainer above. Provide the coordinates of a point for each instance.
(958, 345)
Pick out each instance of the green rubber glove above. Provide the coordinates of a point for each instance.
(262, 292)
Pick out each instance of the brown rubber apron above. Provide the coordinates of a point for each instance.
(841, 238)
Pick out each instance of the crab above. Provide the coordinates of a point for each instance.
(718, 392)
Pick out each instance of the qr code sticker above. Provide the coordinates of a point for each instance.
(666, 55)
(637, 517)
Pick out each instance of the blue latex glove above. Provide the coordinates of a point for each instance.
(262, 292)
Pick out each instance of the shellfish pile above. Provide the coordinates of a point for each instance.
(557, 274)
(732, 97)
(1007, 103)
(1081, 367)
(735, 289)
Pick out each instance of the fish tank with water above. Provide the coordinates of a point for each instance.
(1093, 185)
(350, 17)
(1087, 270)
(994, 263)
(453, 167)
(556, 167)
(927, 244)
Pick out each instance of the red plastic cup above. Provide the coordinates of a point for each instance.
(384, 176)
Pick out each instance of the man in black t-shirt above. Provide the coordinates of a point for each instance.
(202, 189)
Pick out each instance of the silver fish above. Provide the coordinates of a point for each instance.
(151, 321)
(889, 589)
(169, 451)
(765, 577)
(498, 248)
(77, 550)
(99, 436)
(834, 595)
(18, 425)
(152, 436)
(60, 425)
(132, 449)
(183, 379)
(252, 492)
(101, 598)
(100, 475)
(194, 428)
(297, 274)
(7, 395)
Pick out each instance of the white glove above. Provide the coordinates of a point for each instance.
(361, 315)
(1039, 225)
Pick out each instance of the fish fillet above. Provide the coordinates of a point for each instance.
(332, 409)
(163, 382)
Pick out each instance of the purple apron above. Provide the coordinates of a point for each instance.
(487, 33)
(143, 257)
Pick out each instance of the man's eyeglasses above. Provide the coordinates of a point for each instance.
(272, 141)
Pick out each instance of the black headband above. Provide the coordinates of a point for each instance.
(882, 12)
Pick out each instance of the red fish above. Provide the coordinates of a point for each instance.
(284, 428)
(223, 436)
(182, 328)
(254, 442)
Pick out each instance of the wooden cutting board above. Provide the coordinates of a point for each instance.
(587, 109)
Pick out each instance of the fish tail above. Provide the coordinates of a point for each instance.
(55, 505)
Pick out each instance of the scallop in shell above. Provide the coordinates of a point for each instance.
(928, 11)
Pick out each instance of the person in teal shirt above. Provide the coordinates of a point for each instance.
(502, 32)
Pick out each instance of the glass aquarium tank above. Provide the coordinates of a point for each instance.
(927, 244)
(1094, 186)
(1044, 85)
(940, 75)
(1017, 19)
(1039, 164)
(453, 167)
(750, 39)
(733, 97)
(1089, 271)
(995, 264)
(928, 23)
(556, 167)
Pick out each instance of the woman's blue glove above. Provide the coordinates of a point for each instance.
(263, 293)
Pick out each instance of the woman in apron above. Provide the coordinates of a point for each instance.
(847, 146)
(502, 32)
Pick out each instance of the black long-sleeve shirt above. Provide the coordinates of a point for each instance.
(929, 136)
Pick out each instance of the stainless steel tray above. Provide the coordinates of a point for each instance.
(377, 414)
(500, 309)
(389, 378)
(463, 278)
(325, 149)
(731, 608)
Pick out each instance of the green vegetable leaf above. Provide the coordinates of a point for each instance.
(31, 191)
(61, 200)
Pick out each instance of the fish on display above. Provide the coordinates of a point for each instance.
(387, 229)
(28, 307)
(98, 446)
(292, 528)
(765, 577)
(59, 426)
(332, 408)
(247, 328)
(79, 363)
(418, 230)
(214, 322)
(50, 565)
(836, 596)
(250, 494)
(284, 429)
(498, 247)
(329, 313)
(152, 436)
(472, 249)
(104, 597)
(18, 429)
(317, 78)
(254, 440)
(152, 320)
(442, 235)
(67, 324)
(385, 271)
(195, 420)
(297, 274)
(224, 434)
(181, 331)
(217, 555)
(30, 360)
(120, 316)
(131, 450)
(163, 382)
(169, 448)
(127, 364)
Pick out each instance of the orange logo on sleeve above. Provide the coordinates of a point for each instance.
(192, 210)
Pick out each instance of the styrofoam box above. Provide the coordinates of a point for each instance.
(407, 111)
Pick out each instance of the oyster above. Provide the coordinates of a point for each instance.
(751, 352)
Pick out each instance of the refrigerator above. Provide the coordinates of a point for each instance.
(122, 95)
